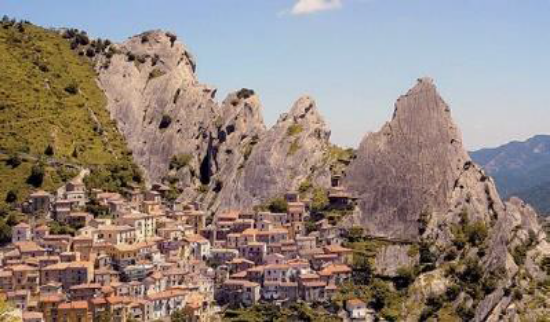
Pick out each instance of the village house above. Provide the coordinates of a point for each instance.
(68, 274)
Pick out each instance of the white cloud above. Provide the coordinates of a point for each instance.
(304, 7)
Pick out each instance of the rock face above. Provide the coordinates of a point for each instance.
(231, 161)
(158, 104)
(239, 129)
(409, 166)
(416, 183)
(293, 150)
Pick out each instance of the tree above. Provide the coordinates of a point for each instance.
(5, 235)
(180, 161)
(36, 178)
(49, 151)
(178, 316)
(7, 312)
(278, 205)
(362, 270)
(11, 196)
(72, 88)
(105, 316)
(14, 161)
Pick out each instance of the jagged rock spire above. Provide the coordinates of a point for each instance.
(282, 158)
(409, 166)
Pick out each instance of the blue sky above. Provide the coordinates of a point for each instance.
(490, 58)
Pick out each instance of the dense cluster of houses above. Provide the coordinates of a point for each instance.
(147, 258)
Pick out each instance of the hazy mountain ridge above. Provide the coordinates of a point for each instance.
(520, 169)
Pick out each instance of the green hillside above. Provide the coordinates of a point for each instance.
(53, 117)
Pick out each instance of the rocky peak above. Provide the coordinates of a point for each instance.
(159, 106)
(241, 111)
(163, 48)
(409, 166)
(416, 183)
(292, 151)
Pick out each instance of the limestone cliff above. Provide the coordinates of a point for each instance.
(417, 184)
(293, 150)
(409, 166)
(159, 105)
(218, 154)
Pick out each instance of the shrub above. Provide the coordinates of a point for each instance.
(476, 233)
(72, 88)
(57, 228)
(452, 292)
(319, 199)
(203, 188)
(294, 147)
(90, 52)
(130, 56)
(172, 38)
(180, 161)
(423, 221)
(427, 257)
(155, 59)
(472, 272)
(294, 129)
(144, 39)
(520, 254)
(82, 38)
(433, 305)
(141, 59)
(165, 122)
(304, 187)
(278, 205)
(156, 73)
(405, 277)
(245, 93)
(545, 265)
(466, 313)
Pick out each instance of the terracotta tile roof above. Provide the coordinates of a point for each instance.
(196, 239)
(86, 286)
(28, 246)
(355, 302)
(98, 301)
(63, 266)
(337, 249)
(335, 269)
(76, 305)
(239, 275)
(23, 267)
(309, 276)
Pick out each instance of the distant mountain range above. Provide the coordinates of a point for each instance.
(520, 169)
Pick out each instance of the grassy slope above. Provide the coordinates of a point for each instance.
(36, 110)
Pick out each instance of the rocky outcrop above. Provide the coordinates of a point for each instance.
(409, 166)
(293, 150)
(159, 105)
(239, 129)
(416, 183)
(391, 258)
(225, 156)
